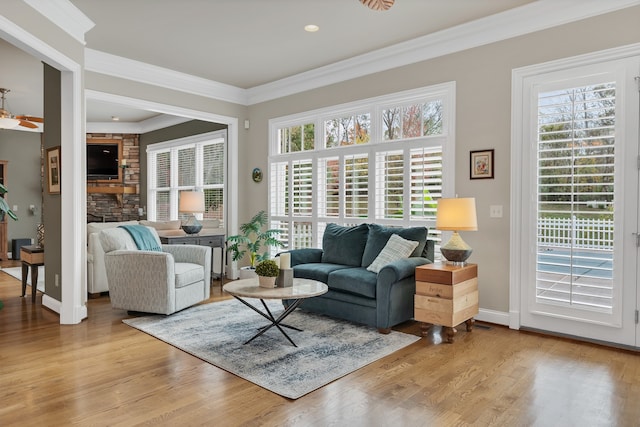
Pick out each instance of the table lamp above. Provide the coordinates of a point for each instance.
(191, 202)
(455, 215)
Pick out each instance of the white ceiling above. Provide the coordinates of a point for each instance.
(246, 43)
(250, 43)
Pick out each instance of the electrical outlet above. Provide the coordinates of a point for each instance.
(495, 211)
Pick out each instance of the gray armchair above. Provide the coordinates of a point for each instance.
(151, 281)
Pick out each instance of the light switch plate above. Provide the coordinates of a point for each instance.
(495, 211)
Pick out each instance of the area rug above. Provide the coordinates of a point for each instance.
(327, 348)
(17, 273)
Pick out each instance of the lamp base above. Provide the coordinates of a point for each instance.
(191, 226)
(456, 250)
(456, 256)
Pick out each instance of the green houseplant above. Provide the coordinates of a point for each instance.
(4, 206)
(253, 239)
(267, 272)
(5, 210)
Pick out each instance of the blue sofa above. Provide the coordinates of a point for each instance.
(381, 299)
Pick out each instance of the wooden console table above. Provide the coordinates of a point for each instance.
(32, 257)
(211, 240)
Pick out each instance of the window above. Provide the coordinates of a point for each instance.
(380, 160)
(192, 163)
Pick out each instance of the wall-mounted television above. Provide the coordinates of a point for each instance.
(103, 160)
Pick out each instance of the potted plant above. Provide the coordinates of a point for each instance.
(252, 240)
(4, 206)
(267, 272)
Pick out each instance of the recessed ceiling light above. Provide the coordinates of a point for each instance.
(115, 118)
(311, 28)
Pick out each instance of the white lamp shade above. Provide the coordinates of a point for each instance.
(191, 202)
(457, 214)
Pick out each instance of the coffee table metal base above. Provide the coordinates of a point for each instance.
(277, 322)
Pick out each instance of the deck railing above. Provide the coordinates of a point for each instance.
(587, 233)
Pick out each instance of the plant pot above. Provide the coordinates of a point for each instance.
(267, 282)
(247, 273)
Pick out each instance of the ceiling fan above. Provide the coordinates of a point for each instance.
(9, 121)
(378, 4)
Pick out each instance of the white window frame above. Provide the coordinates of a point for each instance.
(173, 146)
(445, 92)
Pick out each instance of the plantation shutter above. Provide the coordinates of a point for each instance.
(425, 182)
(575, 192)
(187, 167)
(279, 186)
(390, 184)
(162, 185)
(356, 186)
(213, 179)
(302, 187)
(329, 189)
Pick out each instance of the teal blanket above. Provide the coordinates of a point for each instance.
(143, 237)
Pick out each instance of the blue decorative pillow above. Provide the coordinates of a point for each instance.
(344, 245)
(379, 236)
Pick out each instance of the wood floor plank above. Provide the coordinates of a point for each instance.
(103, 372)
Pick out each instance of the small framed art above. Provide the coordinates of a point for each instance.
(481, 166)
(53, 170)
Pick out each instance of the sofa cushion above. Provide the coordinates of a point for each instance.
(316, 271)
(379, 236)
(344, 245)
(395, 249)
(356, 281)
(188, 273)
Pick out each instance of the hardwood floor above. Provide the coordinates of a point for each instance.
(102, 372)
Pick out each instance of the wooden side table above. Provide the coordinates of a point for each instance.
(446, 295)
(31, 256)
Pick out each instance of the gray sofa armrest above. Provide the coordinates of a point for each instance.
(195, 254)
(400, 269)
(189, 253)
(305, 256)
(429, 251)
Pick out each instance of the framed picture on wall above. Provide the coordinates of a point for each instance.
(53, 170)
(481, 166)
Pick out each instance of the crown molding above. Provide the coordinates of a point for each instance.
(526, 19)
(169, 115)
(117, 66)
(154, 123)
(65, 15)
(536, 16)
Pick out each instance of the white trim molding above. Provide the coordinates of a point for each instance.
(149, 125)
(65, 15)
(129, 69)
(493, 316)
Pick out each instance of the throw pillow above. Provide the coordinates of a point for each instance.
(379, 236)
(113, 239)
(344, 245)
(395, 249)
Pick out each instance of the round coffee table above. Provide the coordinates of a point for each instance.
(249, 288)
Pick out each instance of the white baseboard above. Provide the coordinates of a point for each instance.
(51, 303)
(493, 316)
